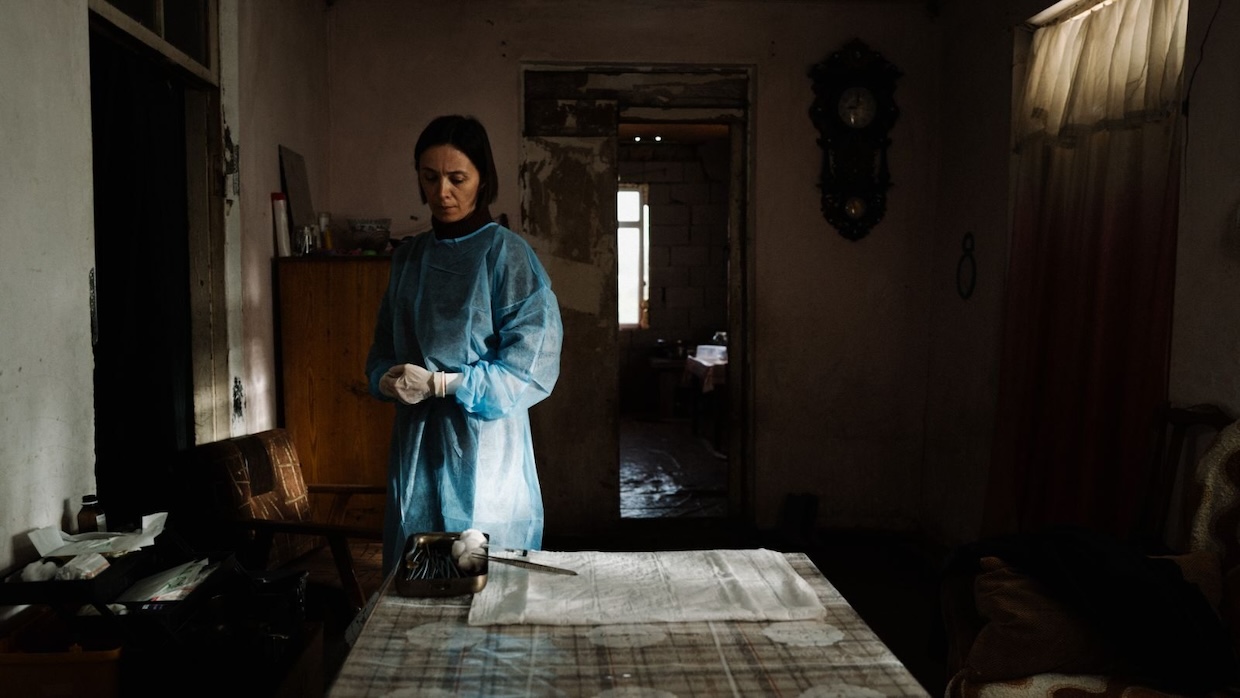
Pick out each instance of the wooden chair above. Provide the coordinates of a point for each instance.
(247, 495)
(1173, 493)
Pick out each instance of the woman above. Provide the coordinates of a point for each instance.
(466, 341)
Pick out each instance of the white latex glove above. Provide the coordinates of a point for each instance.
(447, 383)
(407, 383)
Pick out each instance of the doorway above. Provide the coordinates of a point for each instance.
(156, 288)
(143, 395)
(673, 450)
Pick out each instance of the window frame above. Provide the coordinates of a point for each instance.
(207, 71)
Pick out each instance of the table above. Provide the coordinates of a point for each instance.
(669, 374)
(709, 374)
(708, 381)
(425, 646)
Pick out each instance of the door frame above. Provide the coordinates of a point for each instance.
(208, 219)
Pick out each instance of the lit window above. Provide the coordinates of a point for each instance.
(632, 261)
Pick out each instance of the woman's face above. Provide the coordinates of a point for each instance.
(449, 181)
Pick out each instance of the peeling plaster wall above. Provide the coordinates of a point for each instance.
(569, 209)
(282, 65)
(840, 328)
(47, 436)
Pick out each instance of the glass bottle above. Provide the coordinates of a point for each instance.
(90, 517)
(325, 231)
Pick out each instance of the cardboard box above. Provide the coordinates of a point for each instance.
(42, 658)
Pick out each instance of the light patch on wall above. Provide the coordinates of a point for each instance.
(576, 285)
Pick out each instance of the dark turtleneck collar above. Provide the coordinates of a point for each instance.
(446, 231)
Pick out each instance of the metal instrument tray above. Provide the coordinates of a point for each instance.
(440, 543)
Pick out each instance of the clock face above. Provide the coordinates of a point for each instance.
(857, 107)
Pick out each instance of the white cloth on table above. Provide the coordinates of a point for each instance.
(646, 587)
(708, 371)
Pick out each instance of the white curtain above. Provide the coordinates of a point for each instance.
(1115, 66)
(1090, 277)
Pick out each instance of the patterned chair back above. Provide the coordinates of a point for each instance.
(1216, 522)
(246, 477)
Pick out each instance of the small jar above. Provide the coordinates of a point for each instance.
(325, 231)
(90, 517)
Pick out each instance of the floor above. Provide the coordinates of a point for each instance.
(673, 496)
(667, 471)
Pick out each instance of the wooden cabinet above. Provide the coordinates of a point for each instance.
(325, 313)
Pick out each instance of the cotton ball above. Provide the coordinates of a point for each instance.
(469, 563)
(467, 550)
(39, 571)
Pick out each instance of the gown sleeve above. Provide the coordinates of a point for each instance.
(529, 336)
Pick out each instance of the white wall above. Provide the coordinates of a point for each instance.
(47, 437)
(46, 361)
(282, 81)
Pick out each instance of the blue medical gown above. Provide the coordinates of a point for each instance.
(480, 305)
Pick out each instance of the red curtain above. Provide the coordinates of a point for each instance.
(1087, 333)
(1086, 340)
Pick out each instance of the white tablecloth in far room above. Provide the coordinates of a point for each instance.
(708, 373)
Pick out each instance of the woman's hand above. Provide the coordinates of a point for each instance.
(407, 383)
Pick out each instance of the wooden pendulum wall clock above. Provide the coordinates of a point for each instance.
(854, 110)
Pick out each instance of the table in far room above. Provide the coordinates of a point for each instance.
(428, 646)
(708, 381)
(668, 375)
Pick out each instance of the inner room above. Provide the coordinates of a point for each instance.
(672, 252)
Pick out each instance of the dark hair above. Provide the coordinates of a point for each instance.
(466, 134)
